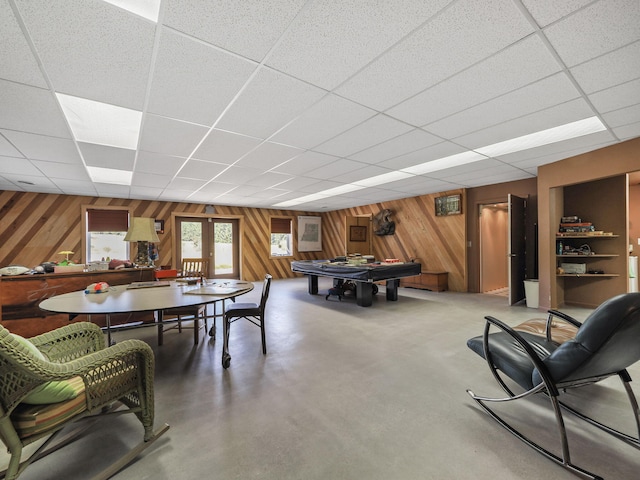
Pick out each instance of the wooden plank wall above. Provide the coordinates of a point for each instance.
(436, 242)
(35, 226)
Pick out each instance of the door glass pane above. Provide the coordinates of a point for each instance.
(191, 239)
(223, 244)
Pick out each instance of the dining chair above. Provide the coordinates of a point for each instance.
(195, 269)
(53, 380)
(253, 312)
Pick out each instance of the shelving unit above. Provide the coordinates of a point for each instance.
(596, 264)
(602, 202)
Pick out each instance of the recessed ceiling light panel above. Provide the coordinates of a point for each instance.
(101, 123)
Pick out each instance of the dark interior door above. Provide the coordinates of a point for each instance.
(516, 245)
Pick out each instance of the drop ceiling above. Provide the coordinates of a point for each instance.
(255, 103)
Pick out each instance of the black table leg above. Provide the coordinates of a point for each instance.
(364, 294)
(392, 289)
(313, 284)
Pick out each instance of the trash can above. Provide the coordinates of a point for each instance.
(531, 292)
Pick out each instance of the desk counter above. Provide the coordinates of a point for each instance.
(20, 296)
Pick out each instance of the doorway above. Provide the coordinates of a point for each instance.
(494, 269)
(213, 238)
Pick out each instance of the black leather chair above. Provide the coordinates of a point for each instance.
(250, 311)
(605, 345)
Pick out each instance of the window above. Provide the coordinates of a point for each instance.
(105, 234)
(281, 237)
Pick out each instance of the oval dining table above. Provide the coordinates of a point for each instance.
(144, 297)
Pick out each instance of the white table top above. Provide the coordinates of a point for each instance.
(119, 299)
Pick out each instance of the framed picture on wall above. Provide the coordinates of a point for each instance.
(309, 234)
(449, 205)
(159, 226)
(357, 233)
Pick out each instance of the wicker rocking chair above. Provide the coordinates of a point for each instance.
(54, 379)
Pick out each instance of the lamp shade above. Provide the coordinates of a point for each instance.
(142, 230)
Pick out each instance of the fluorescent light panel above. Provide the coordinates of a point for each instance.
(518, 144)
(445, 162)
(110, 175)
(148, 9)
(101, 123)
(544, 137)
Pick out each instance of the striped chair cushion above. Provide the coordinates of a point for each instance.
(29, 420)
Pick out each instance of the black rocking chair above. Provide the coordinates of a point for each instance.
(605, 345)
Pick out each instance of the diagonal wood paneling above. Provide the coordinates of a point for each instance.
(436, 242)
(35, 226)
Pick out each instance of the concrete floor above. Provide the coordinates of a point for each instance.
(344, 392)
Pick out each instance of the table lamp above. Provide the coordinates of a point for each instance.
(143, 231)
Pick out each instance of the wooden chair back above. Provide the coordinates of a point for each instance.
(195, 267)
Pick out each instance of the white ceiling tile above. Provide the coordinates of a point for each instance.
(531, 98)
(75, 187)
(111, 49)
(433, 152)
(65, 171)
(269, 155)
(225, 147)
(547, 11)
(414, 140)
(31, 109)
(168, 136)
(40, 147)
(608, 70)
(217, 188)
(517, 66)
(623, 116)
(157, 163)
(187, 184)
(140, 179)
(6, 149)
(507, 176)
(331, 40)
(249, 28)
(18, 63)
(469, 31)
(329, 117)
(360, 174)
(168, 195)
(616, 97)
(335, 169)
(208, 79)
(104, 156)
(17, 166)
(200, 169)
(595, 30)
(267, 179)
(146, 193)
(298, 183)
(627, 132)
(239, 175)
(369, 133)
(305, 162)
(268, 103)
(561, 114)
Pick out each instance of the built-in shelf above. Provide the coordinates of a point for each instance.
(589, 256)
(587, 275)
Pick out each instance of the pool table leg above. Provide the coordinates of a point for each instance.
(313, 284)
(364, 294)
(392, 289)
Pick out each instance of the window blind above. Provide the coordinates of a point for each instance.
(280, 225)
(107, 220)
